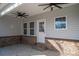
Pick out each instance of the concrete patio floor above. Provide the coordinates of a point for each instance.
(25, 50)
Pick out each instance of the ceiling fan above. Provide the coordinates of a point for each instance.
(52, 5)
(20, 14)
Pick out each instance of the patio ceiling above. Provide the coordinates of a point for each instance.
(29, 8)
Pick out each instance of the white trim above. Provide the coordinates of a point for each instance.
(37, 25)
(65, 22)
(41, 20)
(25, 28)
(32, 28)
(28, 28)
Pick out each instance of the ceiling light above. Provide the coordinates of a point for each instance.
(10, 8)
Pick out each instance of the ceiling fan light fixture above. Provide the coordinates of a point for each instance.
(10, 8)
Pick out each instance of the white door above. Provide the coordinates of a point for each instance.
(41, 29)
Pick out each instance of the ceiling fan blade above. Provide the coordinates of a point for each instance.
(46, 7)
(43, 4)
(57, 6)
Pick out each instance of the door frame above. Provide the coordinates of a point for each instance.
(37, 33)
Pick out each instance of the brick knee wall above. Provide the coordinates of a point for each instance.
(31, 40)
(18, 39)
(9, 40)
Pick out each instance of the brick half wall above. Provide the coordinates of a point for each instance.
(18, 39)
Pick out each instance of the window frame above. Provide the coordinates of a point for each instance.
(31, 28)
(25, 28)
(64, 22)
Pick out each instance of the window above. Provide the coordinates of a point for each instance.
(31, 28)
(60, 23)
(25, 31)
(25, 28)
(25, 25)
(41, 27)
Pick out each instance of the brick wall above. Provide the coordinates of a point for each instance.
(29, 40)
(18, 39)
(9, 40)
